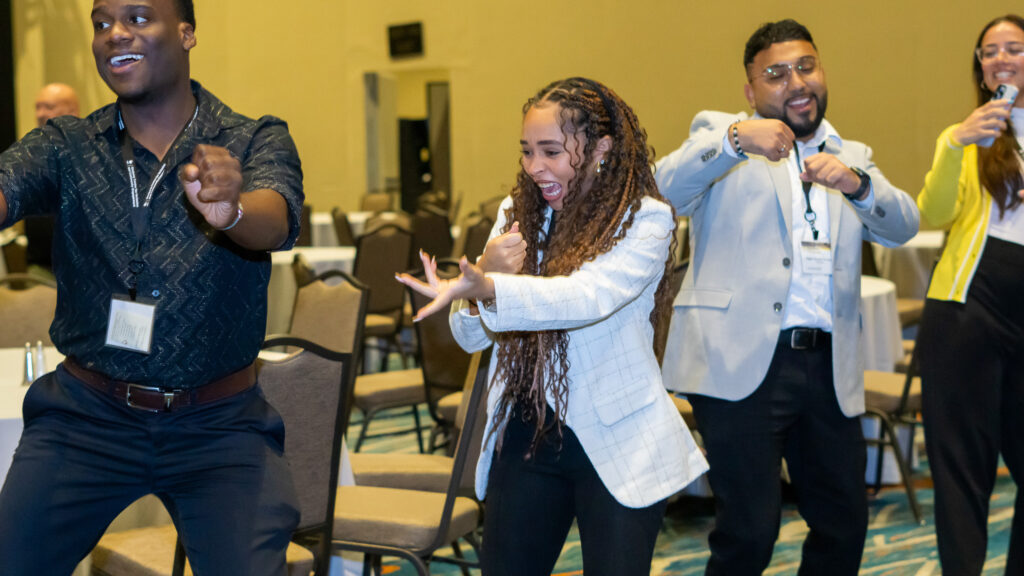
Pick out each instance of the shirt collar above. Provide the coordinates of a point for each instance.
(206, 125)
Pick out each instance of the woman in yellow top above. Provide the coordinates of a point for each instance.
(972, 332)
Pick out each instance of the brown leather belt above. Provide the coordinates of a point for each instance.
(154, 399)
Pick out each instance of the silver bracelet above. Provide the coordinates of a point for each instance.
(238, 218)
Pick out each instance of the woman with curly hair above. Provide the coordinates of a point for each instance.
(972, 329)
(569, 290)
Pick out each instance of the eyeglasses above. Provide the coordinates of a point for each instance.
(991, 52)
(778, 74)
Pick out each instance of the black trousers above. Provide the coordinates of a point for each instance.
(531, 504)
(83, 457)
(794, 414)
(972, 377)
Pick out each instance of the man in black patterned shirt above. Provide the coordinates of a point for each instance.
(167, 204)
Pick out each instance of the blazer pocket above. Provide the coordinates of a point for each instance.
(704, 298)
(611, 408)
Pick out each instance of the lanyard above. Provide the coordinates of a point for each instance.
(809, 215)
(140, 214)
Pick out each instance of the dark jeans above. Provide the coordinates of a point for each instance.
(793, 414)
(972, 377)
(531, 504)
(83, 457)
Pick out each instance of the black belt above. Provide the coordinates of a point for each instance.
(805, 338)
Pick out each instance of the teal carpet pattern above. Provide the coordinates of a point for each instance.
(896, 545)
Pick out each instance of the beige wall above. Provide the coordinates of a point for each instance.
(898, 71)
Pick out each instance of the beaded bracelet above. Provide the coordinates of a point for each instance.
(238, 218)
(736, 140)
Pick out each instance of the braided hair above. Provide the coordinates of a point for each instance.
(593, 219)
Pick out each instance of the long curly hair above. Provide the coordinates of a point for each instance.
(998, 165)
(534, 365)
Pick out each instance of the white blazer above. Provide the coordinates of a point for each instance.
(617, 407)
(729, 311)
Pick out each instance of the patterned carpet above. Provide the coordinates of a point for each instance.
(896, 545)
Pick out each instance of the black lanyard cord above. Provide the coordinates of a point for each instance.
(809, 215)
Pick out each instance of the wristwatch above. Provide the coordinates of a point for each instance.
(865, 184)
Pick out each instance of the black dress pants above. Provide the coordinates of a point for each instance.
(83, 457)
(972, 377)
(793, 414)
(531, 504)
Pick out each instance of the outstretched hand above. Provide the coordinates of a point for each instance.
(213, 184)
(471, 284)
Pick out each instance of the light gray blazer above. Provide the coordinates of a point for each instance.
(617, 406)
(728, 313)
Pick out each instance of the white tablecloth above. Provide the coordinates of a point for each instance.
(909, 266)
(281, 290)
(882, 340)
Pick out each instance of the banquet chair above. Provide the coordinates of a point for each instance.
(476, 229)
(413, 524)
(309, 388)
(330, 310)
(490, 207)
(432, 232)
(26, 313)
(342, 227)
(437, 382)
(892, 399)
(302, 271)
(15, 254)
(377, 202)
(380, 254)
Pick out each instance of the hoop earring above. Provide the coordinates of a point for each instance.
(599, 166)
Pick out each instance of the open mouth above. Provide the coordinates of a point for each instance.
(800, 103)
(1004, 75)
(550, 190)
(124, 60)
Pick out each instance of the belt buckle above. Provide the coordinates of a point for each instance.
(805, 340)
(168, 397)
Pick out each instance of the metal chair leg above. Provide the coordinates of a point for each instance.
(904, 471)
(362, 430)
(419, 427)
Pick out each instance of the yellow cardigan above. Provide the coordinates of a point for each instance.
(953, 199)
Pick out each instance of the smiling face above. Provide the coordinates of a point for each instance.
(1001, 53)
(801, 99)
(549, 156)
(140, 46)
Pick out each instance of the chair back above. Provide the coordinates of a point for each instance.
(331, 310)
(302, 271)
(342, 227)
(471, 416)
(26, 314)
(432, 232)
(310, 388)
(15, 255)
(490, 207)
(380, 254)
(444, 363)
(305, 227)
(377, 202)
(401, 219)
(476, 229)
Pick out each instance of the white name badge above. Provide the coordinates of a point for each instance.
(131, 325)
(816, 257)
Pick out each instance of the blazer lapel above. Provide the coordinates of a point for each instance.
(779, 173)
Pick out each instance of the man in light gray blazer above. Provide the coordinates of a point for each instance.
(765, 335)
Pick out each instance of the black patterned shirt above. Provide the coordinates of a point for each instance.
(210, 294)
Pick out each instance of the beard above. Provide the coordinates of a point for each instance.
(801, 128)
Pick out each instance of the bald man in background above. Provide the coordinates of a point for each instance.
(55, 100)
